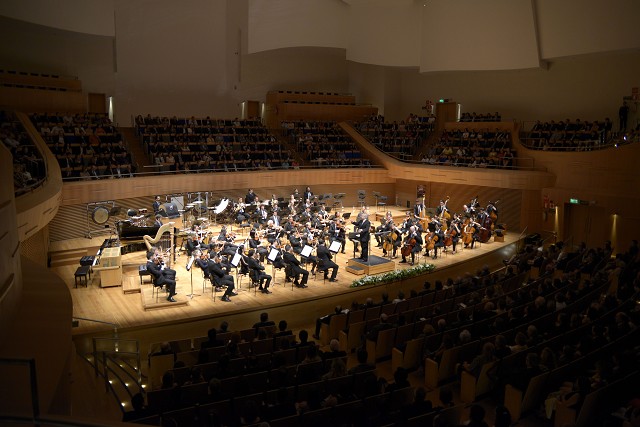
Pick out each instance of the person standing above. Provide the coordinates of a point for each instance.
(364, 226)
(623, 113)
(156, 205)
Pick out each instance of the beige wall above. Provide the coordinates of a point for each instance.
(587, 87)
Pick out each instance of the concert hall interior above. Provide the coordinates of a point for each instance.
(459, 177)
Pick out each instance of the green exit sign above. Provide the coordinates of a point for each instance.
(574, 201)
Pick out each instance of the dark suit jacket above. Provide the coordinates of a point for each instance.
(290, 259)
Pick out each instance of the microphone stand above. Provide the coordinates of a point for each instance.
(190, 268)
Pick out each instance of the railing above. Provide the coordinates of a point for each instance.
(519, 162)
(605, 140)
(217, 170)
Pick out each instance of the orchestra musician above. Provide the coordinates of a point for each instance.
(241, 214)
(289, 225)
(275, 218)
(453, 232)
(251, 197)
(295, 241)
(412, 244)
(263, 279)
(158, 221)
(296, 267)
(262, 215)
(337, 232)
(325, 257)
(307, 196)
(192, 245)
(221, 278)
(163, 275)
(292, 204)
(385, 226)
(256, 245)
(156, 205)
(419, 208)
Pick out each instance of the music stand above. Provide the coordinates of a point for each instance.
(346, 215)
(235, 261)
(338, 199)
(189, 266)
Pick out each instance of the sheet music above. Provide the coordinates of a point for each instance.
(306, 251)
(236, 260)
(335, 246)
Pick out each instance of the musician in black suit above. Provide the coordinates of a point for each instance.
(221, 278)
(364, 228)
(295, 242)
(337, 232)
(250, 198)
(307, 195)
(263, 279)
(413, 238)
(296, 267)
(156, 205)
(256, 245)
(163, 276)
(325, 258)
(191, 245)
(158, 221)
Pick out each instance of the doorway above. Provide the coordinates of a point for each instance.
(585, 223)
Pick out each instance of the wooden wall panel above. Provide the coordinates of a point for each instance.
(36, 247)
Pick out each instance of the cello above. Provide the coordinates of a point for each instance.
(409, 244)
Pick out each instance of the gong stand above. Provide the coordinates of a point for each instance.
(98, 214)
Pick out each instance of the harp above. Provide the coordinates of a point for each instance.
(163, 240)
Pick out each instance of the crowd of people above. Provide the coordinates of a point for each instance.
(87, 146)
(483, 148)
(28, 164)
(568, 135)
(473, 117)
(575, 320)
(205, 144)
(400, 140)
(324, 144)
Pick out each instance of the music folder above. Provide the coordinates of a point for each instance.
(335, 246)
(306, 251)
(235, 261)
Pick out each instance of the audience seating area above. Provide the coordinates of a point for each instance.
(87, 146)
(473, 117)
(28, 164)
(483, 148)
(400, 140)
(324, 144)
(511, 335)
(567, 135)
(205, 144)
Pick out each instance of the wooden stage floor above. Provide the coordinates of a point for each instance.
(299, 306)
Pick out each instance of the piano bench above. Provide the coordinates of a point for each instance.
(81, 275)
(142, 271)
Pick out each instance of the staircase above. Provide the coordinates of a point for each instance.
(118, 364)
(134, 144)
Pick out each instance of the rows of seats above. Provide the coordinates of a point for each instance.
(400, 140)
(483, 148)
(323, 144)
(567, 135)
(87, 146)
(455, 323)
(205, 144)
(474, 117)
(28, 164)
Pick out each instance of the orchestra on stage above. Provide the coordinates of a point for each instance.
(301, 235)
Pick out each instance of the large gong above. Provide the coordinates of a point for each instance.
(100, 215)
